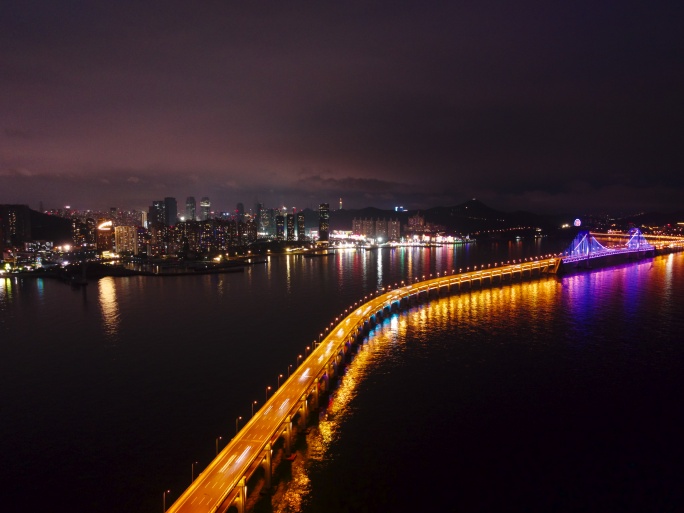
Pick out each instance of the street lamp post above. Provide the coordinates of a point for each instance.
(279, 376)
(236, 424)
(267, 389)
(192, 471)
(217, 440)
(288, 370)
(164, 500)
(253, 408)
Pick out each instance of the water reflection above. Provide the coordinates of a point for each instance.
(379, 269)
(109, 305)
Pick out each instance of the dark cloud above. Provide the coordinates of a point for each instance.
(527, 104)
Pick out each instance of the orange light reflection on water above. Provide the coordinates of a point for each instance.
(109, 305)
(471, 311)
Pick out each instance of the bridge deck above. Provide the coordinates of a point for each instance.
(223, 479)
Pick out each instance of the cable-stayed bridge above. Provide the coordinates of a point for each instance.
(585, 248)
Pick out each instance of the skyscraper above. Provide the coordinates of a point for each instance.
(290, 220)
(301, 226)
(280, 227)
(190, 208)
(126, 239)
(171, 211)
(157, 213)
(323, 223)
(259, 211)
(205, 207)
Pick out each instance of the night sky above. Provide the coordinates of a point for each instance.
(552, 107)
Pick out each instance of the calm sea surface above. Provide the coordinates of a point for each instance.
(549, 395)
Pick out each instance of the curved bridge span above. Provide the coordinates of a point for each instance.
(223, 483)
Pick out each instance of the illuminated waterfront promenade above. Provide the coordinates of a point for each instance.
(223, 483)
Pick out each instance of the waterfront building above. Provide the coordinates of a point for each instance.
(16, 224)
(126, 239)
(385, 229)
(258, 212)
(393, 229)
(105, 236)
(251, 230)
(301, 227)
(381, 229)
(280, 227)
(324, 223)
(290, 218)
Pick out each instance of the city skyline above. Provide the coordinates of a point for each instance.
(546, 108)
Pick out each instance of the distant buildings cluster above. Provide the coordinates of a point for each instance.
(159, 232)
(379, 229)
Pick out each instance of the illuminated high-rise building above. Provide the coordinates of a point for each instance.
(16, 220)
(190, 208)
(105, 235)
(280, 227)
(205, 208)
(259, 211)
(324, 223)
(290, 220)
(126, 239)
(301, 227)
(393, 229)
(157, 215)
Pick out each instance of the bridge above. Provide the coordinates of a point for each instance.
(585, 248)
(223, 484)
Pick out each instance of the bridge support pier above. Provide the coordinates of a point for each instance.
(241, 500)
(266, 465)
(314, 400)
(304, 415)
(288, 435)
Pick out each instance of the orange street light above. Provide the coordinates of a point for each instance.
(192, 471)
